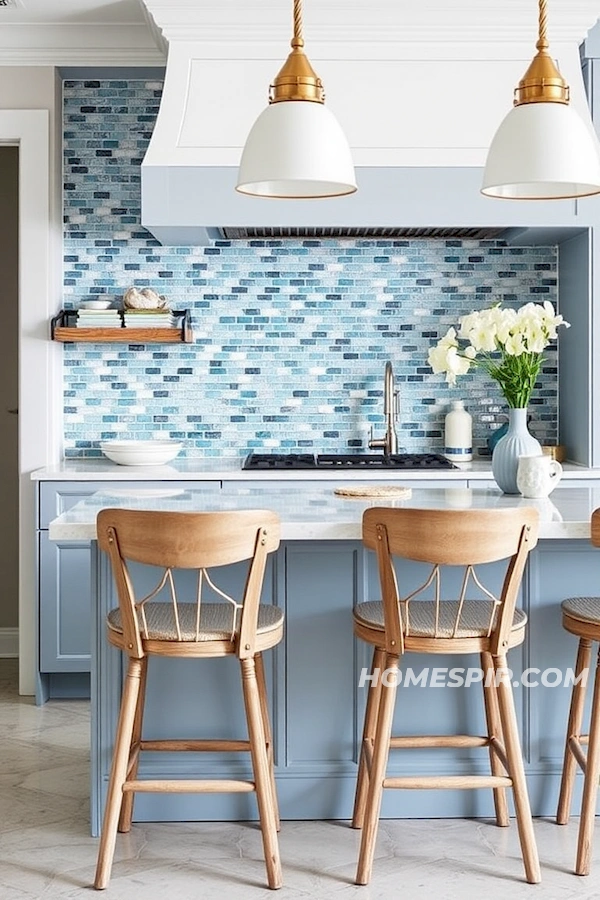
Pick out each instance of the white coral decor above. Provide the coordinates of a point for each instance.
(507, 343)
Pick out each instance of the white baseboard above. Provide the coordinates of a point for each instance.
(9, 643)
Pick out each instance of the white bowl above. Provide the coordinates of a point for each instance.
(141, 453)
(95, 304)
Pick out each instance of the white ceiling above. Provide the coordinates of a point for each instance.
(90, 11)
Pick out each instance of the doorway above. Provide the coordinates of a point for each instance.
(9, 390)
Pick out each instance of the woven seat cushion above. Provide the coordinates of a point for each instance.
(586, 609)
(474, 618)
(216, 621)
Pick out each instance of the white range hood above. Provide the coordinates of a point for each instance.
(419, 88)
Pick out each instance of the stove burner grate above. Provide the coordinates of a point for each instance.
(339, 461)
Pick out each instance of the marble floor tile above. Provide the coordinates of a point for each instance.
(46, 852)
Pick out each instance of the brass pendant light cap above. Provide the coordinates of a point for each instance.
(542, 82)
(297, 80)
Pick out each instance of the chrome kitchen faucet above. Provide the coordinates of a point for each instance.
(389, 443)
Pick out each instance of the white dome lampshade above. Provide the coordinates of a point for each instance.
(296, 148)
(543, 150)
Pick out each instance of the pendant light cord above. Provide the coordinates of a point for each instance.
(542, 82)
(543, 43)
(297, 40)
(297, 80)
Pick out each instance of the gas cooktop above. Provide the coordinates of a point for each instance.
(335, 462)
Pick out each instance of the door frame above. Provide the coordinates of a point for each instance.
(39, 364)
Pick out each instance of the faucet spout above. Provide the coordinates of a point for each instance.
(389, 443)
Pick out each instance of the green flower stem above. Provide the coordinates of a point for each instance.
(516, 375)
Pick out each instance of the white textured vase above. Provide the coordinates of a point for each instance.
(516, 442)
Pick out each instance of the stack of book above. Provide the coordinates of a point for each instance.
(99, 318)
(149, 318)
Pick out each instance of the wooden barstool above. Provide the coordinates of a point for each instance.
(581, 617)
(490, 627)
(147, 626)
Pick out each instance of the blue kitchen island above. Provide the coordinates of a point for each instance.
(320, 571)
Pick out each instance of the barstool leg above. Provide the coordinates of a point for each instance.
(494, 730)
(381, 751)
(118, 773)
(514, 757)
(584, 655)
(260, 764)
(368, 737)
(129, 796)
(264, 708)
(590, 785)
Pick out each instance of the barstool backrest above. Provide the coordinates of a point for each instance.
(463, 538)
(595, 527)
(182, 540)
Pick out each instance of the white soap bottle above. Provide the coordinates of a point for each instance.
(458, 441)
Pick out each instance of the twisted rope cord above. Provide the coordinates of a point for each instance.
(297, 40)
(542, 43)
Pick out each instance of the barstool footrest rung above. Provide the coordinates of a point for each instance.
(196, 746)
(189, 786)
(447, 782)
(412, 741)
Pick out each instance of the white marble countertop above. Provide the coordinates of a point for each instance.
(318, 514)
(230, 469)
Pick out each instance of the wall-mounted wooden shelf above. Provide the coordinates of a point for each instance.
(63, 328)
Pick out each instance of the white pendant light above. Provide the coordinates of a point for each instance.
(542, 150)
(296, 148)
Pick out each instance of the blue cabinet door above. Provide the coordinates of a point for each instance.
(65, 605)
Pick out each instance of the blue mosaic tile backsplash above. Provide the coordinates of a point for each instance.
(290, 337)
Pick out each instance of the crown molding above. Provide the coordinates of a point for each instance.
(379, 20)
(258, 28)
(154, 30)
(75, 43)
(83, 58)
(262, 28)
(354, 34)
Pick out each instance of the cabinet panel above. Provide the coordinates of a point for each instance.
(65, 592)
(57, 499)
(558, 569)
(321, 587)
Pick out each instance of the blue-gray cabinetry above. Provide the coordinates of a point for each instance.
(64, 616)
(64, 601)
(557, 569)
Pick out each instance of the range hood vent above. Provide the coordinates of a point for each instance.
(236, 233)
(418, 154)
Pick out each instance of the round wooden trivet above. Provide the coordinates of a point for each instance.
(374, 490)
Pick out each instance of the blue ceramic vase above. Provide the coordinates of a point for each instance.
(516, 442)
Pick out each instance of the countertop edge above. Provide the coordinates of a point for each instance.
(230, 470)
(320, 515)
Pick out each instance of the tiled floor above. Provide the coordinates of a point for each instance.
(46, 851)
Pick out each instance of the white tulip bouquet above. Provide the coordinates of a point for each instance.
(507, 343)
